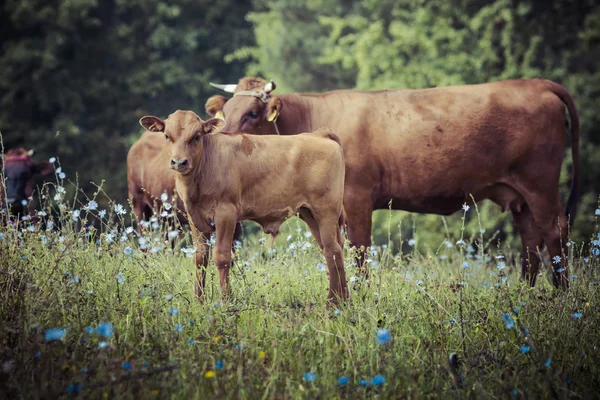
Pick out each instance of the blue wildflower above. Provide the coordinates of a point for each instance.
(219, 364)
(179, 328)
(105, 329)
(74, 388)
(556, 259)
(103, 345)
(127, 366)
(173, 311)
(336, 311)
(364, 382)
(548, 362)
(343, 380)
(192, 323)
(89, 330)
(169, 297)
(191, 341)
(38, 354)
(84, 370)
(128, 251)
(577, 315)
(560, 270)
(120, 278)
(525, 349)
(516, 310)
(378, 380)
(383, 336)
(595, 252)
(508, 321)
(55, 334)
(321, 267)
(309, 377)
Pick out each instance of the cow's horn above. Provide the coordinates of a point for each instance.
(269, 87)
(226, 88)
(31, 152)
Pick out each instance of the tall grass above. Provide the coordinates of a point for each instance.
(453, 322)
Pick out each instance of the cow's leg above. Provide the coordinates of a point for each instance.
(329, 231)
(532, 242)
(552, 223)
(359, 212)
(201, 259)
(225, 227)
(307, 217)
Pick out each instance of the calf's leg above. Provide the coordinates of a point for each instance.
(306, 216)
(201, 259)
(225, 227)
(334, 256)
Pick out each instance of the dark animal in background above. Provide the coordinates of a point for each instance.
(228, 178)
(430, 150)
(19, 173)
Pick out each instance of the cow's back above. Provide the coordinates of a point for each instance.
(148, 171)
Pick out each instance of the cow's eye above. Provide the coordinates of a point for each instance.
(168, 138)
(196, 138)
(253, 114)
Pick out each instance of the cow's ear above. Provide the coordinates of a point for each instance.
(44, 168)
(213, 125)
(214, 106)
(274, 108)
(152, 124)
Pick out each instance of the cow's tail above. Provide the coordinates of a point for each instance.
(328, 133)
(567, 99)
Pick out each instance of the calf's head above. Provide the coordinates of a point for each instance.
(183, 132)
(19, 173)
(252, 109)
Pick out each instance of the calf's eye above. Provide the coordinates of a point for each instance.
(253, 114)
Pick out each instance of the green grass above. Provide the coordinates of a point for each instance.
(276, 327)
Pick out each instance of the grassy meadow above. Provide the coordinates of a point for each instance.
(90, 308)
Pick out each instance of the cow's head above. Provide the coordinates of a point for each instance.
(19, 173)
(252, 109)
(183, 132)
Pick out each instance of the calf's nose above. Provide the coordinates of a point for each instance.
(178, 164)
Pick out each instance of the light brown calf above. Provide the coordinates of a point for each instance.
(227, 178)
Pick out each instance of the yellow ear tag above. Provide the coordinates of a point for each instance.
(220, 115)
(273, 116)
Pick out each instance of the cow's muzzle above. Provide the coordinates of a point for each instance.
(179, 165)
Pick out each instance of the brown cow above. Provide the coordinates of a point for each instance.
(430, 150)
(234, 177)
(19, 174)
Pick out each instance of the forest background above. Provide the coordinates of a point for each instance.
(76, 75)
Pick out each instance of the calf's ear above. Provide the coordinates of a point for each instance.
(274, 108)
(213, 125)
(214, 106)
(44, 168)
(152, 124)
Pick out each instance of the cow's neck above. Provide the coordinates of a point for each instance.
(297, 114)
(197, 188)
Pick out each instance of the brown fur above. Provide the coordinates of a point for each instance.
(233, 177)
(149, 176)
(429, 150)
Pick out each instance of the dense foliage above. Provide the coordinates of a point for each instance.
(75, 76)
